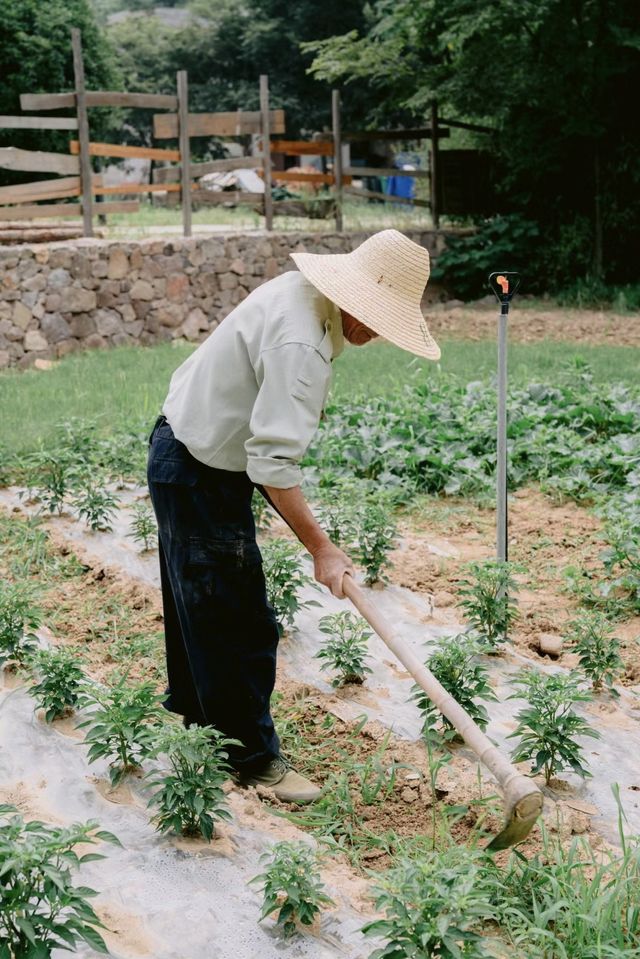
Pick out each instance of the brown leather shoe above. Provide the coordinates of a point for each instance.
(286, 784)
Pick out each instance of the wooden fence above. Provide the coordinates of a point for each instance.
(75, 181)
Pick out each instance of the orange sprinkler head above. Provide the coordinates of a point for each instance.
(504, 283)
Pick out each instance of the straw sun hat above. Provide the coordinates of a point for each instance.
(381, 285)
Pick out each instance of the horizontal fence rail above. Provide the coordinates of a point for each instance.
(37, 161)
(238, 123)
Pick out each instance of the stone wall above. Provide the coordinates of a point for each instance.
(62, 297)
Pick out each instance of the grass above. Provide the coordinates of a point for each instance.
(129, 383)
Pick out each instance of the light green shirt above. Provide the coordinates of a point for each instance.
(250, 397)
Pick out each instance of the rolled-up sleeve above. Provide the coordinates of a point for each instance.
(293, 381)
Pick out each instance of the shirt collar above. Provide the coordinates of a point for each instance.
(333, 326)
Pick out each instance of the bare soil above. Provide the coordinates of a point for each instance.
(530, 324)
(546, 537)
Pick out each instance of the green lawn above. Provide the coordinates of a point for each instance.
(116, 386)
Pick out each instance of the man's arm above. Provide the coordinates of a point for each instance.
(330, 563)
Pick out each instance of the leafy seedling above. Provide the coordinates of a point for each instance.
(18, 620)
(345, 650)
(60, 682)
(143, 529)
(122, 725)
(189, 798)
(455, 664)
(433, 906)
(487, 600)
(376, 538)
(262, 512)
(51, 480)
(548, 726)
(291, 886)
(621, 559)
(285, 578)
(40, 908)
(591, 637)
(96, 506)
(338, 519)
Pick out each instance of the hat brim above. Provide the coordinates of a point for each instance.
(389, 313)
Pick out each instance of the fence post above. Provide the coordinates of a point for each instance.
(337, 156)
(83, 133)
(185, 153)
(266, 150)
(435, 163)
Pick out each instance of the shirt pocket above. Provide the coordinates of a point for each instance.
(311, 382)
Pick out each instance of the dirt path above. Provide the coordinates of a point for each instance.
(530, 324)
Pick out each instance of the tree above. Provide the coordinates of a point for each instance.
(36, 55)
(555, 81)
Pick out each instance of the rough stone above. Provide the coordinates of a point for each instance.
(35, 283)
(73, 299)
(177, 285)
(5, 359)
(21, 315)
(58, 278)
(550, 644)
(99, 269)
(34, 341)
(228, 281)
(67, 346)
(118, 266)
(194, 323)
(237, 266)
(108, 322)
(141, 290)
(54, 327)
(82, 325)
(95, 341)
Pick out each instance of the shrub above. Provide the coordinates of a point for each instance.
(60, 682)
(487, 600)
(190, 798)
(455, 665)
(432, 907)
(121, 725)
(346, 648)
(143, 529)
(18, 618)
(291, 886)
(376, 537)
(40, 908)
(590, 635)
(548, 725)
(96, 506)
(285, 578)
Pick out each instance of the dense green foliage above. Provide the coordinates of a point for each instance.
(18, 620)
(591, 637)
(345, 649)
(35, 47)
(486, 596)
(285, 577)
(553, 81)
(59, 681)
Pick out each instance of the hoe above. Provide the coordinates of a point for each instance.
(522, 798)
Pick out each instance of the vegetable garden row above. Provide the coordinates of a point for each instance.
(404, 804)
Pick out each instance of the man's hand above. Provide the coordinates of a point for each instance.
(330, 565)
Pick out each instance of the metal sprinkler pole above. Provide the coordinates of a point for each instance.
(504, 285)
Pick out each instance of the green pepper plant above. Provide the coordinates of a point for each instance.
(548, 726)
(291, 886)
(487, 600)
(60, 682)
(345, 649)
(591, 637)
(19, 617)
(285, 578)
(189, 798)
(41, 910)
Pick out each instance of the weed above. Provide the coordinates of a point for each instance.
(291, 886)
(96, 506)
(376, 536)
(346, 648)
(18, 618)
(590, 635)
(143, 529)
(487, 600)
(285, 578)
(40, 908)
(60, 682)
(547, 727)
(455, 665)
(190, 798)
(121, 726)
(433, 906)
